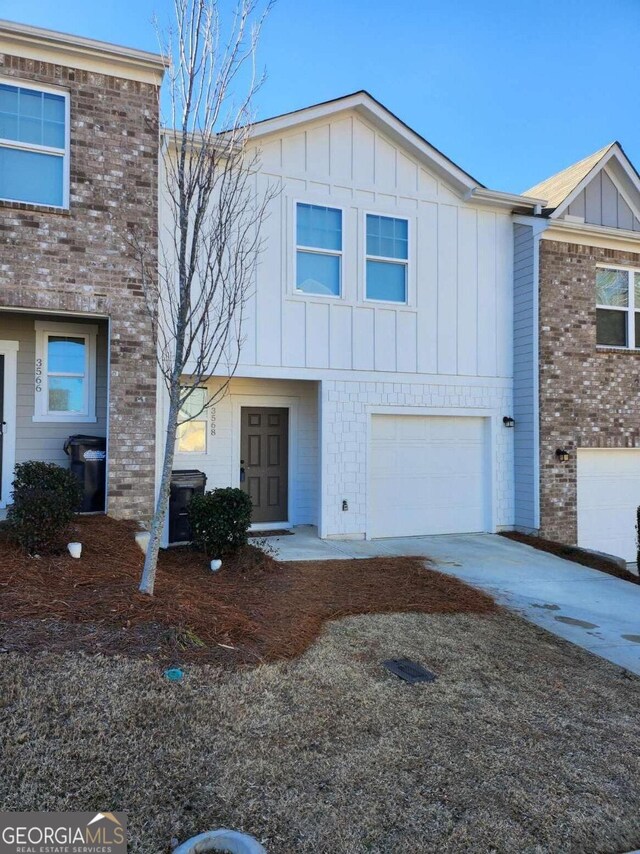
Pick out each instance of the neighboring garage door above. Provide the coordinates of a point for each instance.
(608, 497)
(428, 475)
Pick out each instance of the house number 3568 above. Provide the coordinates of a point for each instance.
(38, 380)
(212, 421)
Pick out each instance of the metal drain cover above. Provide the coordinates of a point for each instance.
(408, 670)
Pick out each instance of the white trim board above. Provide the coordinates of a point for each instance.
(9, 349)
(536, 379)
(44, 45)
(617, 183)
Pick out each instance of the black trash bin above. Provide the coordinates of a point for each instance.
(185, 483)
(89, 464)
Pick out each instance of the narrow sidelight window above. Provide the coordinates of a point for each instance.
(66, 374)
(318, 250)
(387, 258)
(191, 437)
(34, 159)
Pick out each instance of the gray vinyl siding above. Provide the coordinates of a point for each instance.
(600, 203)
(39, 440)
(524, 374)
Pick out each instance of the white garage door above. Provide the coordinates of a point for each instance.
(608, 495)
(428, 475)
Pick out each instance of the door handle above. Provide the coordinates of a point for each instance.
(242, 472)
(3, 424)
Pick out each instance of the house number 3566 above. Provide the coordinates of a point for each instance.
(38, 380)
(212, 421)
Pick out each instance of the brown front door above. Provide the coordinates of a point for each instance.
(264, 463)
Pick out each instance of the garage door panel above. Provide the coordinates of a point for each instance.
(428, 475)
(608, 493)
(416, 460)
(460, 490)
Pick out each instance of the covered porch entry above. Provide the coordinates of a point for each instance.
(53, 384)
(262, 437)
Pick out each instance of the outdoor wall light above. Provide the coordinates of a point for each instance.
(562, 454)
(508, 421)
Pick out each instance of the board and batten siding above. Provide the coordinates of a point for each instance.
(601, 203)
(524, 377)
(41, 440)
(458, 318)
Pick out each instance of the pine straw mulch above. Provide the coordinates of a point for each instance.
(577, 555)
(253, 610)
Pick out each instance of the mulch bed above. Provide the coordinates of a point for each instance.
(253, 610)
(573, 553)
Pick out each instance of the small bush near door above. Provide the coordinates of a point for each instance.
(220, 520)
(45, 500)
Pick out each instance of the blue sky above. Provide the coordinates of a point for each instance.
(512, 90)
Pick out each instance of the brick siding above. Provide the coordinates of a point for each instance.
(589, 396)
(79, 260)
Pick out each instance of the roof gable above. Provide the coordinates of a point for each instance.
(602, 189)
(382, 119)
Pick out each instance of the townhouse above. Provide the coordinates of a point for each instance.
(78, 166)
(577, 350)
(421, 354)
(376, 372)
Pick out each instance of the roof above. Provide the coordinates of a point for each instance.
(559, 186)
(89, 54)
(399, 133)
(366, 102)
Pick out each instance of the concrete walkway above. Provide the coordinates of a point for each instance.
(589, 608)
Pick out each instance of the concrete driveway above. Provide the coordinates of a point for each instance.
(589, 608)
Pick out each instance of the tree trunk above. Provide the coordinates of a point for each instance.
(148, 579)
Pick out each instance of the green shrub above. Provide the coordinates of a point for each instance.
(45, 499)
(220, 520)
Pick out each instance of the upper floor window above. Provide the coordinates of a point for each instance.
(65, 372)
(318, 250)
(33, 145)
(618, 308)
(387, 258)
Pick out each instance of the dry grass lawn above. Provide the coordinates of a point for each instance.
(524, 744)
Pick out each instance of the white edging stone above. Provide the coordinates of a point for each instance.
(75, 549)
(142, 540)
(221, 840)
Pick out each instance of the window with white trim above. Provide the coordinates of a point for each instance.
(191, 435)
(618, 307)
(65, 372)
(318, 250)
(387, 258)
(34, 149)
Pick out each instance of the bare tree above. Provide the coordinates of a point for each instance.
(210, 241)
